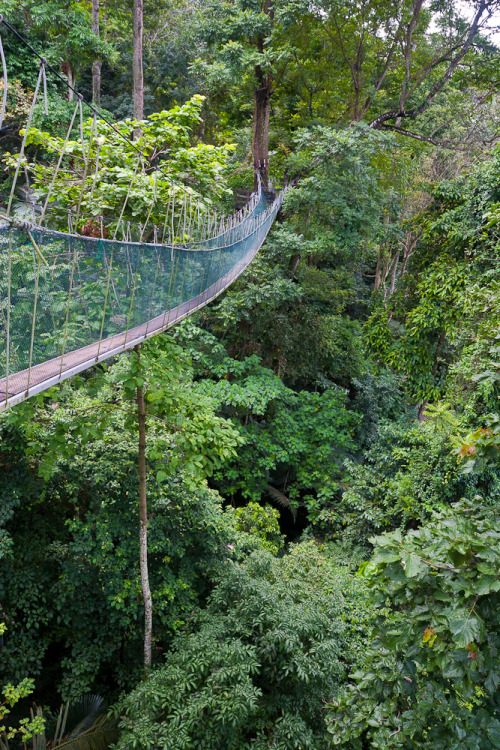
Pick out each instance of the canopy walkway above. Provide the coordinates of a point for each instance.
(69, 301)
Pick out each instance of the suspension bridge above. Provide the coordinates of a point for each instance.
(69, 300)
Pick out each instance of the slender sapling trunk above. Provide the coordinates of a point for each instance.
(143, 528)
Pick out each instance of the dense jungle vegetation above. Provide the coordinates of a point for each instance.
(322, 441)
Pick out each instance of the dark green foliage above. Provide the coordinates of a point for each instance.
(407, 473)
(379, 398)
(293, 441)
(69, 486)
(96, 627)
(431, 677)
(272, 644)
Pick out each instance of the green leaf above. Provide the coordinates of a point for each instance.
(464, 630)
(412, 564)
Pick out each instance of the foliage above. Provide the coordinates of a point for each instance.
(257, 523)
(106, 173)
(380, 398)
(275, 638)
(374, 301)
(446, 304)
(431, 675)
(481, 446)
(70, 488)
(404, 475)
(293, 440)
(67, 29)
(12, 694)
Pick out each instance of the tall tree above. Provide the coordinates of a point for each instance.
(97, 64)
(262, 103)
(244, 42)
(137, 66)
(68, 31)
(388, 63)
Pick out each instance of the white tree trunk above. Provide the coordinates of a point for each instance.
(143, 529)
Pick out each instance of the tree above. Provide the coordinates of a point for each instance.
(388, 63)
(12, 694)
(444, 63)
(293, 442)
(137, 62)
(85, 433)
(116, 181)
(255, 666)
(69, 31)
(97, 64)
(143, 519)
(245, 40)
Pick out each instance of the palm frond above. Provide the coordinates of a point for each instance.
(99, 736)
(83, 713)
(282, 500)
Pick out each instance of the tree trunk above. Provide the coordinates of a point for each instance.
(137, 70)
(143, 528)
(378, 271)
(68, 71)
(97, 64)
(439, 346)
(394, 273)
(260, 141)
(262, 108)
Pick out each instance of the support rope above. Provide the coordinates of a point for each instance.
(59, 162)
(23, 145)
(70, 289)
(4, 71)
(39, 264)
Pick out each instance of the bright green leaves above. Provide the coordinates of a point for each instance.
(256, 523)
(10, 695)
(115, 174)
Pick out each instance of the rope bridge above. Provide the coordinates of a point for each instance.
(69, 300)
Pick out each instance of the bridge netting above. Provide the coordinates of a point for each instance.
(69, 301)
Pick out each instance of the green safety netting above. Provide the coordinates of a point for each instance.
(67, 301)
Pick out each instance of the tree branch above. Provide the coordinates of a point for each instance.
(452, 145)
(379, 122)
